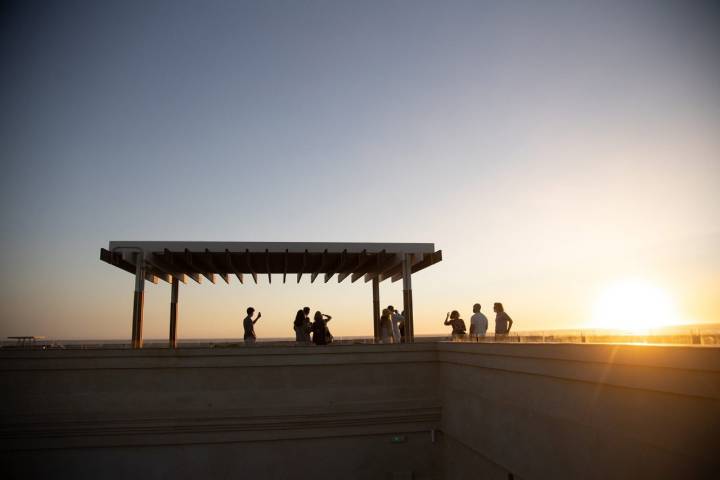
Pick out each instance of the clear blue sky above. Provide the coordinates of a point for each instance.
(548, 148)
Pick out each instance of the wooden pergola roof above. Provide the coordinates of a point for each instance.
(180, 260)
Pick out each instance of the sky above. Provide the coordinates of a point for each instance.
(551, 150)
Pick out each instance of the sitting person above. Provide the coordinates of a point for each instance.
(458, 325)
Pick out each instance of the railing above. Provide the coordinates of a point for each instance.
(679, 336)
(694, 336)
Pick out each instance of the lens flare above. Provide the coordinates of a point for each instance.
(634, 305)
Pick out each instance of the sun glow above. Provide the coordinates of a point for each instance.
(634, 305)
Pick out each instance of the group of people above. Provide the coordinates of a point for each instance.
(318, 327)
(479, 323)
(316, 332)
(392, 325)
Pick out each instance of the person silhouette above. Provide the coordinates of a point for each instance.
(320, 332)
(458, 325)
(503, 322)
(302, 325)
(478, 323)
(249, 326)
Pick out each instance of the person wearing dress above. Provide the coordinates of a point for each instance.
(395, 320)
(385, 326)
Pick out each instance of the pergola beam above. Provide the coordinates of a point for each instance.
(338, 267)
(162, 270)
(360, 259)
(321, 266)
(362, 268)
(267, 265)
(303, 266)
(187, 258)
(285, 264)
(213, 266)
(229, 260)
(248, 264)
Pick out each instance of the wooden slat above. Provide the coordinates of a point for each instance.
(303, 266)
(248, 264)
(229, 260)
(338, 266)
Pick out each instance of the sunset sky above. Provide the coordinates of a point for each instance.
(556, 152)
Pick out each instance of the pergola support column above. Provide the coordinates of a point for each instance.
(138, 301)
(174, 290)
(376, 308)
(407, 298)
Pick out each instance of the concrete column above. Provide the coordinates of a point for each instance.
(376, 308)
(407, 298)
(173, 312)
(138, 301)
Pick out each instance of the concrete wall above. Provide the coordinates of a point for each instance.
(533, 411)
(266, 412)
(584, 411)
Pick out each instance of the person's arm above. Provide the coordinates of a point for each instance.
(510, 322)
(447, 322)
(327, 318)
(473, 328)
(258, 317)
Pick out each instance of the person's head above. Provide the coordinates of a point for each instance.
(318, 316)
(454, 314)
(385, 312)
(476, 308)
(498, 307)
(250, 311)
(306, 310)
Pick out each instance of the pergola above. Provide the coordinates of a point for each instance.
(176, 262)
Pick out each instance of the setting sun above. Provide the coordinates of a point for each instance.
(634, 305)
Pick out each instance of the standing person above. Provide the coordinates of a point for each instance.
(297, 324)
(478, 323)
(249, 326)
(320, 333)
(503, 322)
(302, 325)
(385, 326)
(401, 327)
(458, 325)
(395, 319)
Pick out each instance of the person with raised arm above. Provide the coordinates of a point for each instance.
(321, 333)
(249, 326)
(457, 323)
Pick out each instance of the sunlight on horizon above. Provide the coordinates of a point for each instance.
(634, 304)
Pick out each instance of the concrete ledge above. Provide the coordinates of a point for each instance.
(537, 411)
